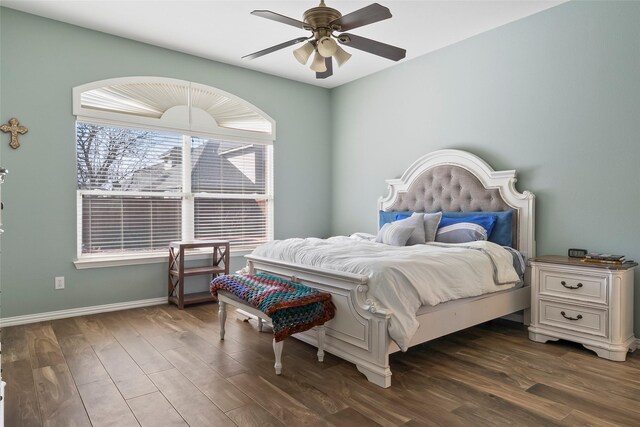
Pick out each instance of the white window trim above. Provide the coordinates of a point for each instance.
(122, 120)
(84, 261)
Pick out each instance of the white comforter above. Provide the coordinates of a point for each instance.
(405, 278)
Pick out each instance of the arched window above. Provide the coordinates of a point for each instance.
(161, 159)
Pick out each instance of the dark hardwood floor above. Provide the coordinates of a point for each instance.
(160, 366)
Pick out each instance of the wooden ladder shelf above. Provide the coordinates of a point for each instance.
(178, 271)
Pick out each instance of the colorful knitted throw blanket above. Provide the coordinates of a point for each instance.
(292, 307)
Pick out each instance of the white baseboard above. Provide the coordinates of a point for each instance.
(82, 311)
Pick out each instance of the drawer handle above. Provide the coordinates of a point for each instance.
(569, 317)
(563, 283)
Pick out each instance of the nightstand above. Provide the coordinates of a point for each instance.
(588, 303)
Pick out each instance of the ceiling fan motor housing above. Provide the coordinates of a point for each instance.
(319, 19)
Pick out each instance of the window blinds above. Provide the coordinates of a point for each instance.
(130, 184)
(132, 190)
(230, 184)
(115, 224)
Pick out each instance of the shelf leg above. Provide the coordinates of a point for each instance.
(260, 323)
(181, 294)
(180, 283)
(222, 317)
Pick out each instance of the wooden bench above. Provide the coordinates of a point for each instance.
(225, 297)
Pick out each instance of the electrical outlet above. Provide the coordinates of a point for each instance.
(59, 282)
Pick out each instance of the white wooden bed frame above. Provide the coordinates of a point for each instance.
(358, 333)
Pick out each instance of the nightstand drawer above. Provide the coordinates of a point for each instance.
(591, 288)
(588, 320)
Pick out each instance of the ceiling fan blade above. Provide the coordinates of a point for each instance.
(262, 52)
(280, 18)
(365, 16)
(329, 63)
(372, 46)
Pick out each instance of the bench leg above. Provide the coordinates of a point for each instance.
(277, 349)
(320, 331)
(260, 322)
(222, 317)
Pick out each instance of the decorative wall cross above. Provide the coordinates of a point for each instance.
(15, 129)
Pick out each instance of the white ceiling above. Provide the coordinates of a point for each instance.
(224, 30)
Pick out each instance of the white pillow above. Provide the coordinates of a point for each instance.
(431, 223)
(395, 233)
(417, 221)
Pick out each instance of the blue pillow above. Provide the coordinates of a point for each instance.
(385, 217)
(501, 233)
(403, 215)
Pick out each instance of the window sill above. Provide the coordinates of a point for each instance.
(153, 258)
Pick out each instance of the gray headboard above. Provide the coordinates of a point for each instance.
(454, 180)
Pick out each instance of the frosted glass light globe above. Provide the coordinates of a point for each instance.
(303, 53)
(327, 46)
(318, 65)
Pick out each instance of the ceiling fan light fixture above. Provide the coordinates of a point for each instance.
(303, 53)
(341, 56)
(318, 64)
(323, 22)
(327, 46)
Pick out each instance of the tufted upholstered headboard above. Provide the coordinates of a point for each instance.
(455, 180)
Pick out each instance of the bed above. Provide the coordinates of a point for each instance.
(445, 180)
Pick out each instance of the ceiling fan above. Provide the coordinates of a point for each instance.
(323, 21)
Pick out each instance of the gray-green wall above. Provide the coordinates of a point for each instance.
(555, 96)
(42, 60)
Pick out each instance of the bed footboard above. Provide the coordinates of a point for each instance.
(358, 332)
